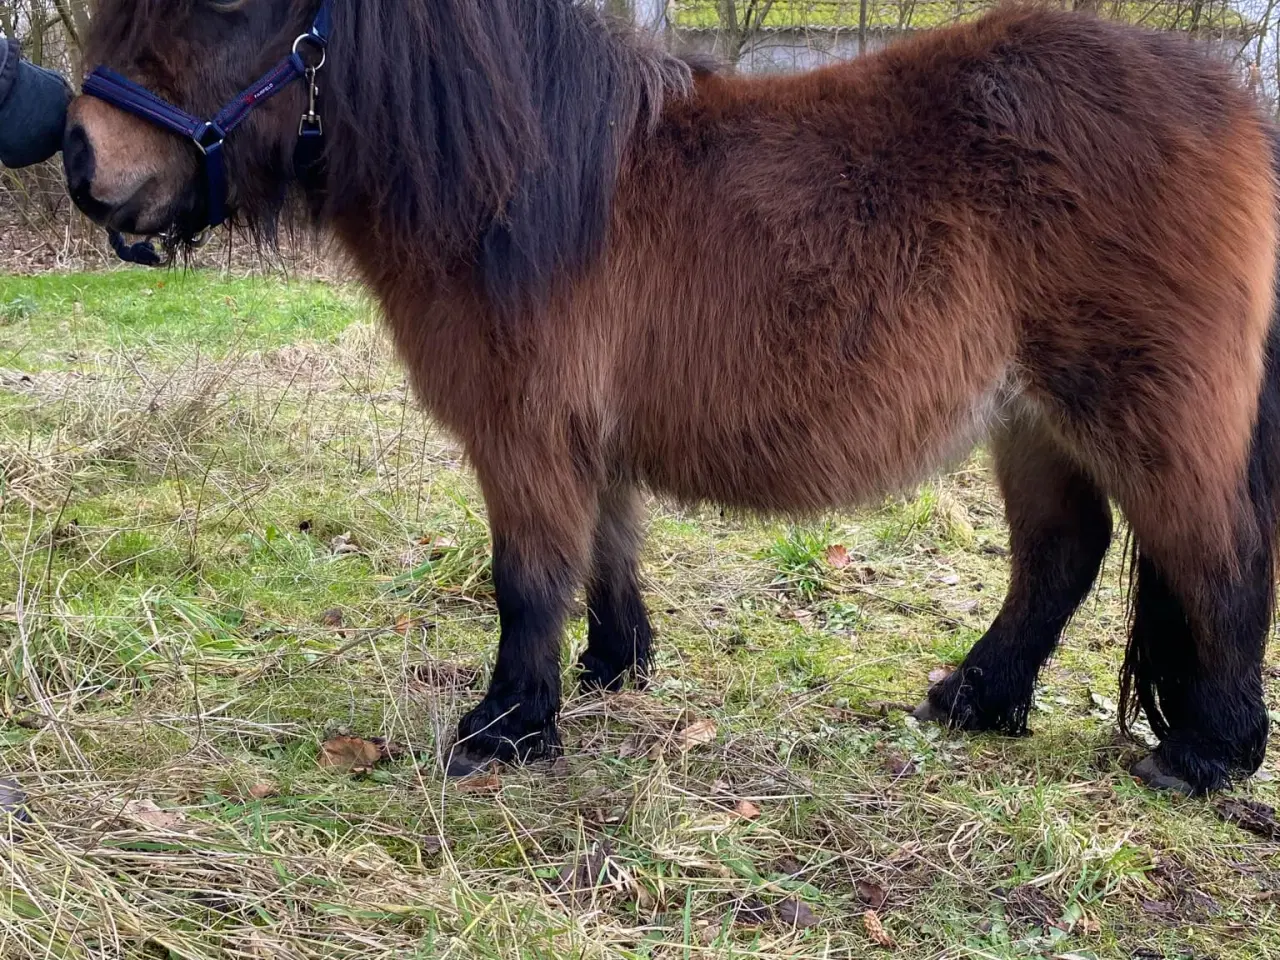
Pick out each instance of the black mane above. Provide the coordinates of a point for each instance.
(492, 128)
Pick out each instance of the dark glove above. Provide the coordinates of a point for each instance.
(33, 109)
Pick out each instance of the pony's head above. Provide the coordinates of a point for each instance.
(130, 175)
(459, 135)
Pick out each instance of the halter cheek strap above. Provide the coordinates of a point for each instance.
(209, 136)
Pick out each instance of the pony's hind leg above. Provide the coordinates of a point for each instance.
(619, 637)
(1194, 666)
(1200, 626)
(1060, 529)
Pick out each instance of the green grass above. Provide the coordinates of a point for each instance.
(226, 534)
(47, 320)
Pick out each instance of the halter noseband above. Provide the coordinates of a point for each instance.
(209, 136)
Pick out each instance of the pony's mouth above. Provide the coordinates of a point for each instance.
(158, 250)
(186, 229)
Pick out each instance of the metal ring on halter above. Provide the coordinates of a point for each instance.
(315, 41)
(171, 237)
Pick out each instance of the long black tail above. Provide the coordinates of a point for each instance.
(1264, 458)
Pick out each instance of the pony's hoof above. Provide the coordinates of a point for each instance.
(927, 712)
(464, 762)
(1148, 771)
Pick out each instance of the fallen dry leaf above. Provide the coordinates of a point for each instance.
(481, 783)
(1088, 925)
(631, 746)
(406, 624)
(349, 754)
(560, 768)
(597, 871)
(389, 749)
(937, 676)
(746, 809)
(1032, 905)
(876, 931)
(1257, 818)
(838, 556)
(697, 734)
(342, 545)
(259, 791)
(332, 617)
(788, 867)
(147, 814)
(437, 546)
(900, 766)
(872, 894)
(796, 913)
(749, 912)
(13, 805)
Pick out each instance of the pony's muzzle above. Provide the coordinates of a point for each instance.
(122, 173)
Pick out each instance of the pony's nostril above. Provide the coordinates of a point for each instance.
(77, 159)
(79, 164)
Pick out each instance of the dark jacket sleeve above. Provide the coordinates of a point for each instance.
(33, 109)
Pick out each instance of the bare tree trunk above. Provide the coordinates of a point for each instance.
(36, 32)
(74, 15)
(740, 22)
(7, 21)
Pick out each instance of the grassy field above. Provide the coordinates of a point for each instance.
(228, 537)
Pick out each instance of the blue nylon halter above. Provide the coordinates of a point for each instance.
(209, 136)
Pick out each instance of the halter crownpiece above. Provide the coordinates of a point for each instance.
(209, 136)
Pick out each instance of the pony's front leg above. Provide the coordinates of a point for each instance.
(541, 518)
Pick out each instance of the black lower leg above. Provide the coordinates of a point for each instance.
(1194, 662)
(619, 637)
(1060, 529)
(1195, 669)
(516, 720)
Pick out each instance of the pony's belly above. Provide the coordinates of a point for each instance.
(790, 462)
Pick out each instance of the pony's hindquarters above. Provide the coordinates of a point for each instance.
(1142, 361)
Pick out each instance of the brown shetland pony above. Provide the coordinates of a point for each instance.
(608, 269)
